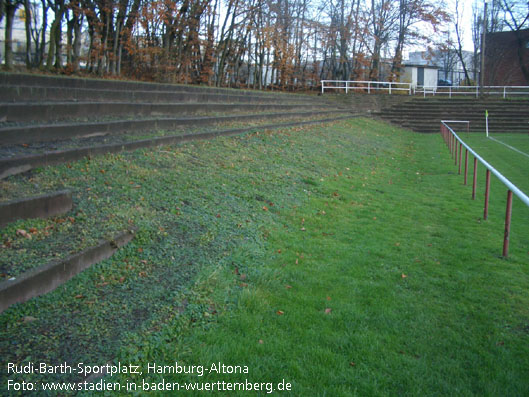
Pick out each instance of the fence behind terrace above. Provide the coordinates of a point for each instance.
(366, 86)
(456, 145)
(476, 91)
(391, 87)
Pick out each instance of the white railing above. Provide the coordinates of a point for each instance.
(389, 86)
(394, 87)
(504, 91)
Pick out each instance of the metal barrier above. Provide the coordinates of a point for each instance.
(452, 140)
(504, 91)
(393, 87)
(389, 86)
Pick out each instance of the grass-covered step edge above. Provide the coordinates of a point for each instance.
(42, 206)
(44, 94)
(62, 131)
(41, 112)
(39, 80)
(46, 278)
(22, 164)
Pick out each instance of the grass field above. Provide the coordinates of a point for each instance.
(343, 259)
(512, 162)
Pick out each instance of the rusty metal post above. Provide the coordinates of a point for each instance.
(466, 166)
(460, 155)
(455, 151)
(487, 195)
(508, 213)
(475, 178)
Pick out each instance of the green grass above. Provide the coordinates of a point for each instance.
(420, 302)
(274, 229)
(511, 163)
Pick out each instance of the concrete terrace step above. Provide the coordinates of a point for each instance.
(425, 114)
(433, 127)
(433, 106)
(64, 131)
(495, 116)
(444, 109)
(35, 80)
(22, 163)
(22, 93)
(53, 111)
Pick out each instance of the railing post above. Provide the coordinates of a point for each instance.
(466, 166)
(369, 87)
(347, 87)
(504, 91)
(487, 195)
(390, 88)
(460, 155)
(474, 181)
(322, 86)
(508, 213)
(477, 91)
(455, 151)
(449, 92)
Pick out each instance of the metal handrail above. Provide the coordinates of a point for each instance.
(476, 90)
(452, 139)
(369, 85)
(521, 195)
(390, 86)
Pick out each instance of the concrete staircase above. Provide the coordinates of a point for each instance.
(40, 114)
(425, 114)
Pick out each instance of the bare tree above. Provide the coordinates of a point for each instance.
(383, 15)
(410, 13)
(459, 43)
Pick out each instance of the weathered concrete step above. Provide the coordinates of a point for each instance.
(62, 94)
(473, 120)
(42, 206)
(473, 126)
(461, 108)
(433, 127)
(20, 164)
(43, 112)
(48, 277)
(447, 100)
(522, 113)
(36, 80)
(496, 116)
(64, 131)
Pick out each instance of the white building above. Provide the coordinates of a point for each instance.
(420, 75)
(447, 63)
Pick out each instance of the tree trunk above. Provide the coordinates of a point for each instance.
(51, 47)
(76, 44)
(40, 45)
(27, 23)
(10, 9)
